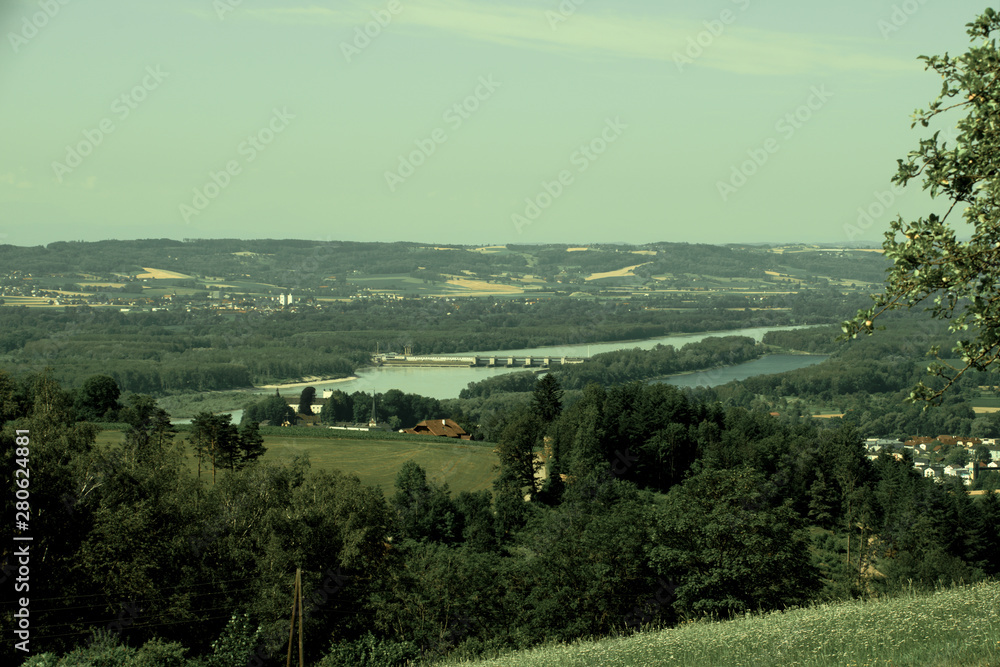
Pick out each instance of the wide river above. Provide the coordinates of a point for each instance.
(447, 382)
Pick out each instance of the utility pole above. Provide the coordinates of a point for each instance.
(298, 585)
(296, 601)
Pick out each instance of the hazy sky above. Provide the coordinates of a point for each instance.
(460, 121)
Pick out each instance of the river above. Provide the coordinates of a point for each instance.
(447, 382)
(433, 377)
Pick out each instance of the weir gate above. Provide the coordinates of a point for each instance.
(485, 362)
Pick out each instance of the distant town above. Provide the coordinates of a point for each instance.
(942, 456)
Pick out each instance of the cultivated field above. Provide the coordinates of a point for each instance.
(161, 274)
(471, 287)
(959, 627)
(627, 272)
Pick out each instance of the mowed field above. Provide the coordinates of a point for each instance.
(463, 467)
(470, 287)
(627, 272)
(376, 462)
(29, 301)
(162, 274)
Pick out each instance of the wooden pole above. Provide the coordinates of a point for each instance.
(298, 587)
(291, 629)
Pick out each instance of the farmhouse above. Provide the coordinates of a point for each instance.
(441, 427)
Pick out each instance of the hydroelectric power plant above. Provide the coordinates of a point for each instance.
(496, 361)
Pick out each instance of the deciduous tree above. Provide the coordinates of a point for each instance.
(97, 398)
(273, 409)
(424, 509)
(339, 407)
(956, 279)
(730, 547)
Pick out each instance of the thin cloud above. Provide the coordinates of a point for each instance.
(739, 49)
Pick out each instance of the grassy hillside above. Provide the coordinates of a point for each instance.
(465, 467)
(959, 627)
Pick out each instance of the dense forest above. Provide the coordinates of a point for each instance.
(651, 507)
(181, 351)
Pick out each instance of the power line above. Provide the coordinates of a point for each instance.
(134, 618)
(151, 625)
(91, 595)
(142, 600)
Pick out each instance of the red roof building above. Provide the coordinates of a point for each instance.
(445, 428)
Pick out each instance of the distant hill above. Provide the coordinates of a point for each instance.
(272, 261)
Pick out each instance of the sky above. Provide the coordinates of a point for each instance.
(465, 121)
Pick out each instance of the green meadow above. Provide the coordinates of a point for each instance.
(956, 627)
(376, 461)
(463, 467)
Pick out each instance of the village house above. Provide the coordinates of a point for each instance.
(445, 428)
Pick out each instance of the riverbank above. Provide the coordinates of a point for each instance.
(309, 381)
(182, 407)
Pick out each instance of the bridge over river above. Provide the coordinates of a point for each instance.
(484, 362)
